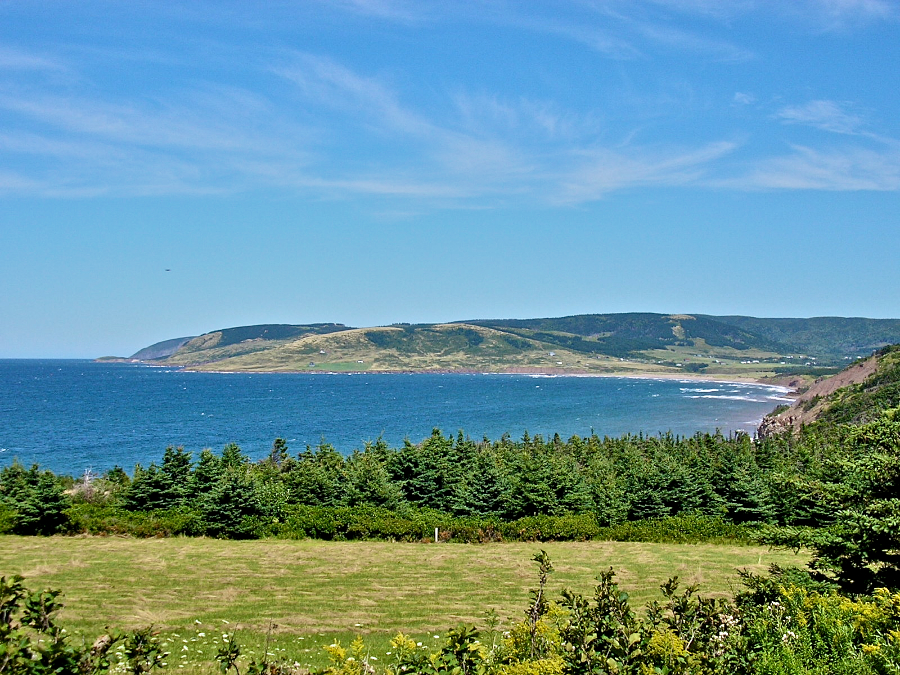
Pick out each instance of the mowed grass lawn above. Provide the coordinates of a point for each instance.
(315, 591)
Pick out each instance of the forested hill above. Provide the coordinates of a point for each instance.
(830, 338)
(633, 343)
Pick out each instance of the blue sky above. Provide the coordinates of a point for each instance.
(378, 161)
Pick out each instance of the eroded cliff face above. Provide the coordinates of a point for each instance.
(810, 404)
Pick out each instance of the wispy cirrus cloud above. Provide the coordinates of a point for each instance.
(603, 170)
(825, 115)
(322, 126)
(816, 14)
(13, 59)
(842, 12)
(839, 170)
(397, 10)
(199, 141)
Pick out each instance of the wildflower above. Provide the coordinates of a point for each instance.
(373, 658)
(196, 620)
(201, 634)
(224, 621)
(437, 637)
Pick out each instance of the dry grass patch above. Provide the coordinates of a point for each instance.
(330, 586)
(307, 594)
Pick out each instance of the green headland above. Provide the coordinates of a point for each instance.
(729, 347)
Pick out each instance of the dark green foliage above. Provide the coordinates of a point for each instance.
(207, 473)
(531, 489)
(368, 482)
(231, 509)
(117, 476)
(33, 500)
(485, 490)
(232, 457)
(161, 487)
(89, 518)
(316, 478)
(860, 547)
(424, 473)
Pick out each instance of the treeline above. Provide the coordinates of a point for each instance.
(834, 488)
(614, 480)
(706, 485)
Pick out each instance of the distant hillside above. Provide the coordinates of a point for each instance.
(231, 342)
(161, 349)
(635, 343)
(624, 335)
(830, 338)
(856, 395)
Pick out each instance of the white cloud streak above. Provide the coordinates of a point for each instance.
(604, 171)
(11, 59)
(481, 147)
(825, 115)
(839, 170)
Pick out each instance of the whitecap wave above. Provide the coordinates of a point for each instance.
(729, 397)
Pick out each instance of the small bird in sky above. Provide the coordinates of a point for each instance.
(168, 270)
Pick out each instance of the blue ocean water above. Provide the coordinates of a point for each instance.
(71, 415)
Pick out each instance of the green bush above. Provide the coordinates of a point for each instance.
(692, 529)
(110, 520)
(9, 518)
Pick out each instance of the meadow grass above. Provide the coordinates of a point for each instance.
(305, 594)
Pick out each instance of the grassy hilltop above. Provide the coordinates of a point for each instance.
(630, 344)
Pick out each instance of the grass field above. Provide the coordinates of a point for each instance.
(316, 592)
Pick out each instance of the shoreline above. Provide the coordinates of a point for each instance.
(691, 377)
(789, 384)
